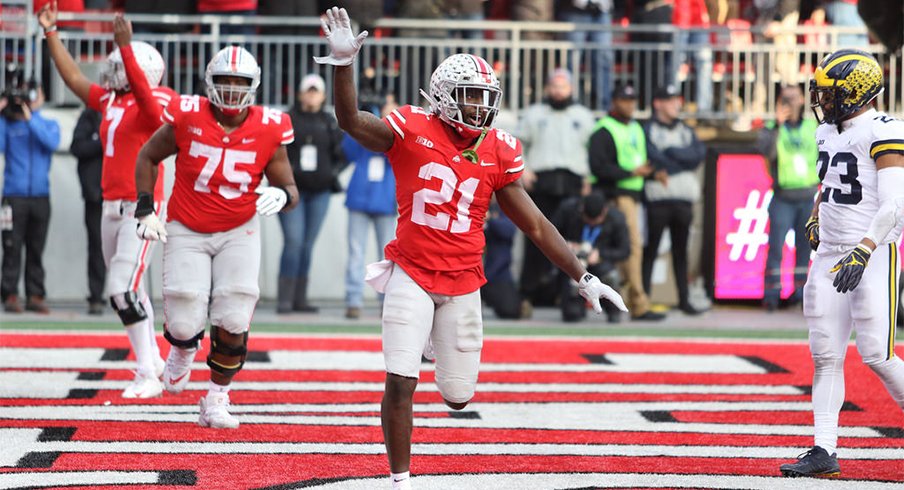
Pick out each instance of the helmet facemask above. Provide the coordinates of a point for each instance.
(231, 98)
(113, 76)
(827, 103)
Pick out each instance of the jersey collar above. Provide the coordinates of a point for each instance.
(866, 116)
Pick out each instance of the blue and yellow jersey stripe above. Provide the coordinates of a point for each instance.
(882, 147)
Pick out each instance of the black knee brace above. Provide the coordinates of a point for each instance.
(192, 343)
(127, 306)
(217, 346)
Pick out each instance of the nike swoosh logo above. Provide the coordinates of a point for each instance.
(245, 141)
(176, 380)
(486, 164)
(396, 481)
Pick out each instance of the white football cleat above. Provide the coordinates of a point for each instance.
(214, 413)
(178, 369)
(143, 386)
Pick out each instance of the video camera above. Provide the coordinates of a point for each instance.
(18, 91)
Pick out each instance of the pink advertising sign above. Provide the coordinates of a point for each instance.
(743, 194)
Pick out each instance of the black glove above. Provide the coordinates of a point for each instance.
(813, 232)
(850, 269)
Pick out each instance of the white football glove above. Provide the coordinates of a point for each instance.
(344, 45)
(151, 228)
(592, 289)
(271, 200)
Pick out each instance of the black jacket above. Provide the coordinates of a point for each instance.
(87, 148)
(613, 243)
(321, 130)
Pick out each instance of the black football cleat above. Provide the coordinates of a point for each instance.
(814, 463)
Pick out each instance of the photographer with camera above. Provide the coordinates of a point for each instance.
(598, 234)
(27, 141)
(789, 147)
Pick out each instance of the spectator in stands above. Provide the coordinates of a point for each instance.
(370, 200)
(533, 11)
(692, 43)
(654, 65)
(554, 134)
(317, 158)
(843, 13)
(364, 13)
(597, 12)
(157, 7)
(500, 292)
(88, 150)
(465, 10)
(618, 160)
(27, 141)
(674, 153)
(789, 147)
(598, 235)
(246, 8)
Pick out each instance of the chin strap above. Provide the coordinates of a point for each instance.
(471, 153)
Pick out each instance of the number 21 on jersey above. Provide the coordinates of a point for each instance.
(440, 221)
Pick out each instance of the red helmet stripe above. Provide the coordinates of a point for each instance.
(482, 66)
(234, 58)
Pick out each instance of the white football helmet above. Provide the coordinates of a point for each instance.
(465, 93)
(114, 76)
(233, 61)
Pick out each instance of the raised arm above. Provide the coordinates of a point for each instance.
(69, 70)
(365, 127)
(151, 110)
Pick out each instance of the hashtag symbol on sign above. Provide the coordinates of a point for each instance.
(751, 233)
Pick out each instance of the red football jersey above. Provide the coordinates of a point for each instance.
(443, 199)
(125, 127)
(217, 172)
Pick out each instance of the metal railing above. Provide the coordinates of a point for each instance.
(733, 75)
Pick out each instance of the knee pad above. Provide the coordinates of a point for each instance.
(232, 310)
(128, 307)
(828, 364)
(223, 347)
(190, 344)
(186, 313)
(456, 390)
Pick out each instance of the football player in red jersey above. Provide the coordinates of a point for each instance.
(131, 102)
(448, 162)
(211, 258)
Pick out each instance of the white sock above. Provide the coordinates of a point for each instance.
(828, 396)
(217, 391)
(400, 481)
(149, 308)
(144, 354)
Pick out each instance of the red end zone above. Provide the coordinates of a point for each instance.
(559, 411)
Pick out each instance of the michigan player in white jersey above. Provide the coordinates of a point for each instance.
(855, 228)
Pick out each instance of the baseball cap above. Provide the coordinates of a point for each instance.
(624, 92)
(559, 73)
(666, 92)
(312, 81)
(593, 204)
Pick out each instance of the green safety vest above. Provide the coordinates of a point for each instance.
(631, 147)
(796, 156)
